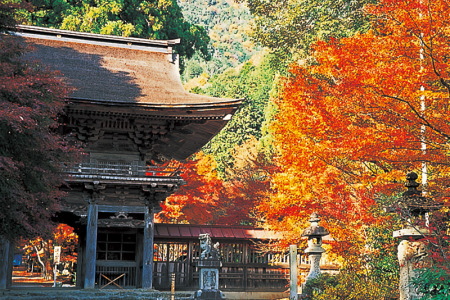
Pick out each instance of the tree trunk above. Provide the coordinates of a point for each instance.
(43, 269)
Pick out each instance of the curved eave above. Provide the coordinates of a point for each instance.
(118, 77)
(158, 106)
(111, 69)
(199, 122)
(222, 110)
(182, 145)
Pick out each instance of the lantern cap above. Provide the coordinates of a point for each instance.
(315, 229)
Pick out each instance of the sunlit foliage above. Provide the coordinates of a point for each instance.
(353, 122)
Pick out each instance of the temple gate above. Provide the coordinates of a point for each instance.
(130, 111)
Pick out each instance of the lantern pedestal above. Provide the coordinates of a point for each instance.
(412, 255)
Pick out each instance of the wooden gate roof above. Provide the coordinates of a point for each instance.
(121, 77)
(185, 231)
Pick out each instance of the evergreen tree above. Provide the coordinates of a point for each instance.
(252, 81)
(153, 19)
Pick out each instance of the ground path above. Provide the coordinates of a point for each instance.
(77, 294)
(32, 286)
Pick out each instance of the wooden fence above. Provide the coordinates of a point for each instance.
(244, 267)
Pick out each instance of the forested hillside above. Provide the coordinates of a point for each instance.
(228, 26)
(287, 36)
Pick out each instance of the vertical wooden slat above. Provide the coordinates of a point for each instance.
(245, 269)
(190, 271)
(139, 259)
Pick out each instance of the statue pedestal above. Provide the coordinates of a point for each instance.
(209, 280)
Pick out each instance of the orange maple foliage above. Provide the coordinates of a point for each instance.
(194, 202)
(64, 236)
(249, 182)
(207, 199)
(200, 200)
(351, 125)
(41, 250)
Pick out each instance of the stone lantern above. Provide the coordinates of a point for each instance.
(314, 233)
(413, 207)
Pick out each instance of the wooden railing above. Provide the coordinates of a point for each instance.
(115, 276)
(244, 267)
(121, 169)
(282, 259)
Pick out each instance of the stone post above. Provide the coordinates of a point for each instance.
(209, 265)
(412, 255)
(314, 233)
(293, 266)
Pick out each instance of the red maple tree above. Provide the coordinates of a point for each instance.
(31, 152)
(196, 201)
(207, 199)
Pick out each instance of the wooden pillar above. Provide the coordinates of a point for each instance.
(147, 253)
(139, 257)
(91, 246)
(293, 272)
(81, 259)
(6, 258)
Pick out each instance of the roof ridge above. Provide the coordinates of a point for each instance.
(95, 36)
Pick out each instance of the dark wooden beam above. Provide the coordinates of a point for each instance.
(147, 259)
(6, 258)
(91, 246)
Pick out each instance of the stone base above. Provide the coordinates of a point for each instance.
(209, 295)
(209, 263)
(209, 279)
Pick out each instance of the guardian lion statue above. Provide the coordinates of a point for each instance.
(208, 250)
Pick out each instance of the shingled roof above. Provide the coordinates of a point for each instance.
(112, 68)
